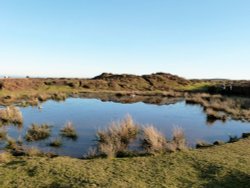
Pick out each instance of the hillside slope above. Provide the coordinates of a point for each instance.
(105, 81)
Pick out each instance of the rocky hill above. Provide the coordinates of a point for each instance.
(105, 81)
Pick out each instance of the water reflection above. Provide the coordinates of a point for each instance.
(88, 115)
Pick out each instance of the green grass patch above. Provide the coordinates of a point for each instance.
(220, 166)
(198, 86)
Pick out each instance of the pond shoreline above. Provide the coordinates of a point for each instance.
(165, 117)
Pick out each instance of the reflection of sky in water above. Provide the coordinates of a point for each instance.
(90, 114)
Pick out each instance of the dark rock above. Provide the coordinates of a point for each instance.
(219, 143)
(203, 145)
(245, 135)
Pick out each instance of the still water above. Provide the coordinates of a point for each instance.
(89, 115)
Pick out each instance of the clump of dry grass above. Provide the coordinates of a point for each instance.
(14, 147)
(3, 134)
(179, 138)
(69, 131)
(55, 142)
(91, 154)
(17, 149)
(11, 114)
(32, 152)
(153, 141)
(5, 157)
(11, 143)
(38, 132)
(117, 137)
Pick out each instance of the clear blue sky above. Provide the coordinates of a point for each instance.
(83, 38)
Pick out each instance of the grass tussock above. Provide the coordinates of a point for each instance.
(221, 107)
(16, 148)
(117, 137)
(91, 154)
(69, 131)
(5, 157)
(56, 142)
(11, 143)
(11, 114)
(3, 134)
(32, 152)
(179, 139)
(153, 141)
(38, 132)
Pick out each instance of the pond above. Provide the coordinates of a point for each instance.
(89, 115)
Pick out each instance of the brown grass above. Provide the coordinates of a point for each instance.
(33, 151)
(38, 132)
(11, 143)
(219, 107)
(179, 138)
(5, 157)
(56, 142)
(3, 134)
(153, 141)
(11, 114)
(117, 137)
(91, 154)
(69, 130)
